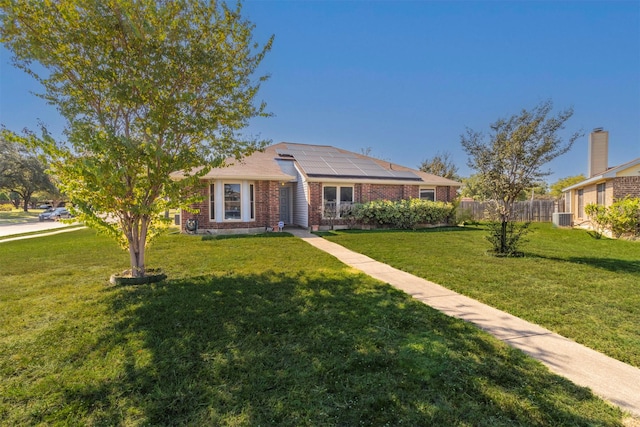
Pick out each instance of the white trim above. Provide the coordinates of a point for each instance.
(610, 173)
(366, 181)
(338, 201)
(427, 189)
(220, 202)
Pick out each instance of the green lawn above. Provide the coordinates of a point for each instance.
(246, 332)
(19, 216)
(580, 287)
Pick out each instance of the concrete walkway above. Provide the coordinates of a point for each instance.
(609, 378)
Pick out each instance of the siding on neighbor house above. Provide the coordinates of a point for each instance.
(590, 195)
(615, 189)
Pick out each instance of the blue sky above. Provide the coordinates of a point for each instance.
(406, 78)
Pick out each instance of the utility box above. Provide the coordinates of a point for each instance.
(562, 219)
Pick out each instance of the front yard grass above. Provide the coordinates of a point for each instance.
(248, 332)
(583, 288)
(19, 216)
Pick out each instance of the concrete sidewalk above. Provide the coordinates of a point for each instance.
(609, 378)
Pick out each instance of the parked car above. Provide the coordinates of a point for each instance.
(45, 206)
(44, 216)
(54, 214)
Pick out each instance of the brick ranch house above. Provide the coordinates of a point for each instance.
(604, 184)
(305, 186)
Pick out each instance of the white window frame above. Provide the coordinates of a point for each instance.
(431, 189)
(218, 201)
(251, 194)
(225, 209)
(340, 205)
(212, 201)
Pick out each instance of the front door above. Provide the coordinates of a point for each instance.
(285, 205)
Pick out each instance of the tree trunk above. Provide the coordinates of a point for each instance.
(25, 205)
(503, 237)
(137, 260)
(137, 239)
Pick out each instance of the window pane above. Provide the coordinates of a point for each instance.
(232, 201)
(329, 202)
(581, 203)
(212, 204)
(330, 194)
(346, 194)
(601, 189)
(427, 194)
(251, 201)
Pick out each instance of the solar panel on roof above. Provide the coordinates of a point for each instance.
(329, 161)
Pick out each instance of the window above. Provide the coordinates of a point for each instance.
(232, 202)
(600, 188)
(334, 206)
(581, 203)
(252, 204)
(212, 202)
(428, 194)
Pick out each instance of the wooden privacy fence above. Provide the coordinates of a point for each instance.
(531, 210)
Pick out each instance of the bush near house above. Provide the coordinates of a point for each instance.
(403, 214)
(622, 218)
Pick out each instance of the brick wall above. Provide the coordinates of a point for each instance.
(626, 186)
(267, 209)
(267, 203)
(315, 203)
(446, 194)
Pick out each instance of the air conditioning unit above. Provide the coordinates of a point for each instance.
(562, 219)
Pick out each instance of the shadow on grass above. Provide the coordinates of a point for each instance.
(609, 264)
(398, 230)
(301, 349)
(245, 236)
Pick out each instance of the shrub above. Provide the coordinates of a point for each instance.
(599, 218)
(621, 218)
(506, 237)
(405, 214)
(624, 217)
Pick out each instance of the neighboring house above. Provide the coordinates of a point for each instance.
(604, 185)
(306, 186)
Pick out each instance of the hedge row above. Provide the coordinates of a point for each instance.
(405, 214)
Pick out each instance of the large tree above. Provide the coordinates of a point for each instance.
(22, 172)
(559, 185)
(442, 165)
(147, 88)
(511, 159)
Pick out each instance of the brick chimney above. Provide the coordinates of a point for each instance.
(598, 152)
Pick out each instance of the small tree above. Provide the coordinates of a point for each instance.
(147, 88)
(510, 161)
(441, 165)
